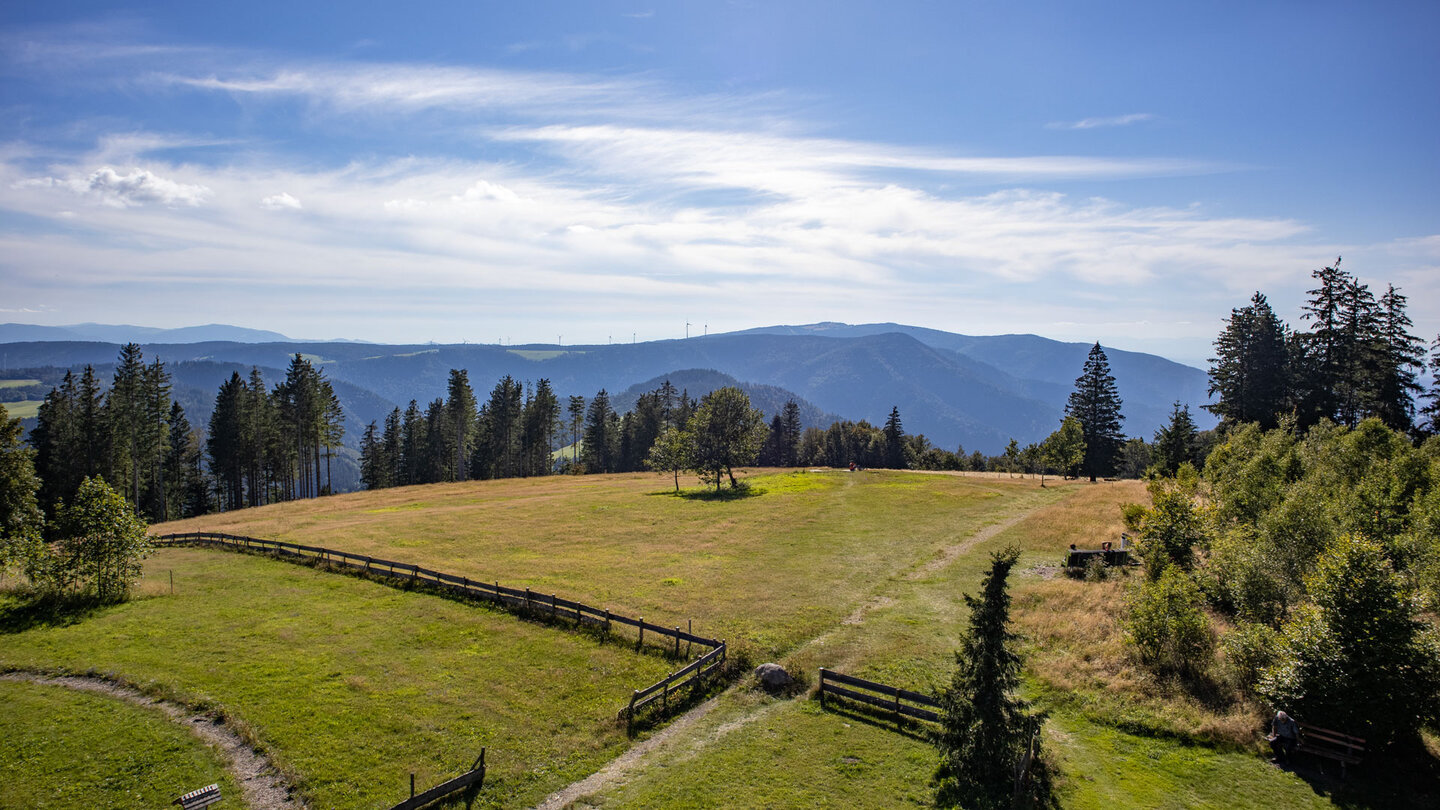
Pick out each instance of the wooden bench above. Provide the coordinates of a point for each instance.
(203, 797)
(1114, 557)
(1346, 749)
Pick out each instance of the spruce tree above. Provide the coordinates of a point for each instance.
(1095, 402)
(790, 435)
(1175, 443)
(602, 435)
(224, 443)
(371, 462)
(1430, 422)
(989, 741)
(1250, 370)
(391, 455)
(894, 441)
(576, 411)
(541, 422)
(1396, 357)
(461, 412)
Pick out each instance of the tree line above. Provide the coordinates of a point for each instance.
(1358, 360)
(262, 445)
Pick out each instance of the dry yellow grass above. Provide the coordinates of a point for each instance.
(771, 570)
(1076, 644)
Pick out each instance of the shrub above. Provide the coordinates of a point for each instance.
(1250, 648)
(1166, 626)
(1358, 657)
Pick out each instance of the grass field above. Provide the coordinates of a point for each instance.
(352, 685)
(24, 409)
(18, 383)
(67, 749)
(861, 573)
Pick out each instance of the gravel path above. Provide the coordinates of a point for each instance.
(262, 785)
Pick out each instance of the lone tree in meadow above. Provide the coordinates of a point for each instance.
(1096, 403)
(989, 741)
(725, 432)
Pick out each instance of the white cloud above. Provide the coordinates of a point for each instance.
(1095, 123)
(599, 206)
(109, 187)
(280, 202)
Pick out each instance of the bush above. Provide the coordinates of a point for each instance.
(1250, 648)
(1166, 626)
(1358, 658)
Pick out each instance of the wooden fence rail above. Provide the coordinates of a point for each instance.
(475, 776)
(878, 695)
(693, 675)
(522, 599)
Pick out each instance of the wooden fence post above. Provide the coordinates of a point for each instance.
(630, 714)
(641, 642)
(412, 785)
(527, 600)
(822, 687)
(689, 630)
(677, 641)
(607, 623)
(552, 605)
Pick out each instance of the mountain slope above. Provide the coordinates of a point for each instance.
(956, 389)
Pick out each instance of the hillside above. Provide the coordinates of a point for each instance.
(978, 392)
(812, 570)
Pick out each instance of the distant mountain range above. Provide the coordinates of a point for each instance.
(111, 333)
(974, 391)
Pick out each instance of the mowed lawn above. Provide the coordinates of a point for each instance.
(767, 571)
(351, 685)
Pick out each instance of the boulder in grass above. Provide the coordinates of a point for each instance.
(773, 677)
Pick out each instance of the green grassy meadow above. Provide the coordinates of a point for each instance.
(350, 684)
(68, 749)
(24, 409)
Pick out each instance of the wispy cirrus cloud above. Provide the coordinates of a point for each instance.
(578, 197)
(1096, 123)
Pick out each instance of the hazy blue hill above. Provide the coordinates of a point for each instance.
(125, 333)
(956, 389)
(697, 383)
(1046, 369)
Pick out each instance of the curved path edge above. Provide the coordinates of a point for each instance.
(263, 786)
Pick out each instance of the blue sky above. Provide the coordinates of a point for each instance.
(527, 172)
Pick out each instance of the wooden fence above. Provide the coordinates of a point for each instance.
(473, 777)
(694, 675)
(878, 695)
(520, 599)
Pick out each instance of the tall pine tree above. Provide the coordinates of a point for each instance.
(1250, 369)
(1095, 402)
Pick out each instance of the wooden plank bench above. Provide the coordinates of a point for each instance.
(1114, 557)
(201, 797)
(1344, 748)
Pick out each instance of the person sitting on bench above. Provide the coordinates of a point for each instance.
(1284, 736)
